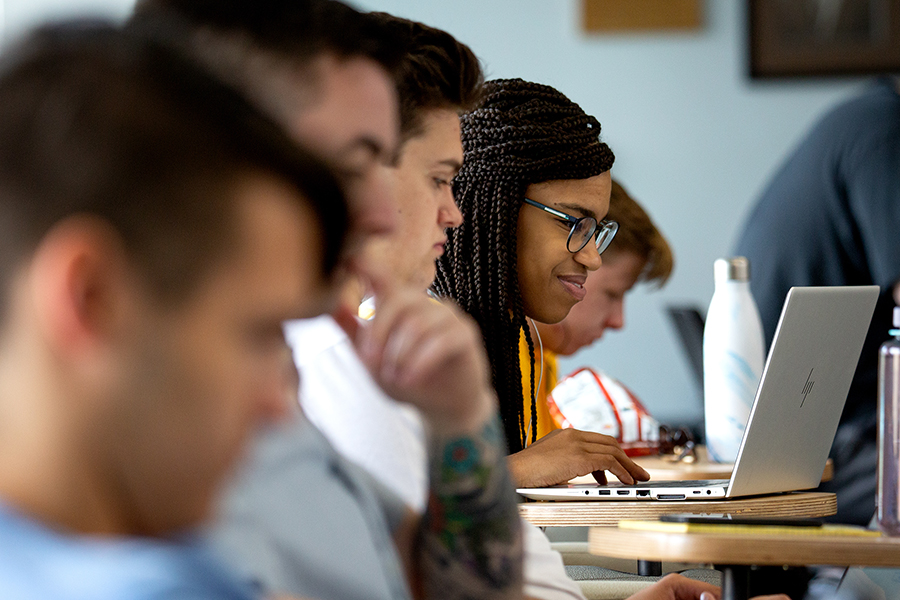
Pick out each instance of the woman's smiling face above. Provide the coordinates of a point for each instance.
(551, 279)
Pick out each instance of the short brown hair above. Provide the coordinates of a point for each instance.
(262, 47)
(435, 71)
(97, 122)
(297, 30)
(639, 235)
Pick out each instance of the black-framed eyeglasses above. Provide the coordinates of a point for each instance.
(583, 229)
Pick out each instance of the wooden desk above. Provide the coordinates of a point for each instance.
(748, 549)
(733, 553)
(662, 468)
(609, 513)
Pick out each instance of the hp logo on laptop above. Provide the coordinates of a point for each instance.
(807, 387)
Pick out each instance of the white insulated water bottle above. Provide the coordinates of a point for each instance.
(733, 356)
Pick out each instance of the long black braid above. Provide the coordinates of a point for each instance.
(521, 133)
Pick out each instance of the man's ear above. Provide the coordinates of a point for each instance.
(80, 285)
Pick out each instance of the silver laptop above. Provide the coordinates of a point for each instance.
(795, 414)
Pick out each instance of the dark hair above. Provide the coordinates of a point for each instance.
(300, 30)
(261, 47)
(521, 133)
(637, 234)
(97, 122)
(435, 71)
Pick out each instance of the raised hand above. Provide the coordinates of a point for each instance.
(428, 354)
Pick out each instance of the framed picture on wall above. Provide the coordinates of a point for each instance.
(804, 38)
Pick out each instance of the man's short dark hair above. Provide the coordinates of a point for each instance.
(97, 122)
(262, 46)
(435, 71)
(297, 29)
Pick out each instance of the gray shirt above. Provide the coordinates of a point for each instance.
(300, 519)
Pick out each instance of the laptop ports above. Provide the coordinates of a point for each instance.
(643, 493)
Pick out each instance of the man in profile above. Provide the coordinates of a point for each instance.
(315, 66)
(300, 513)
(154, 232)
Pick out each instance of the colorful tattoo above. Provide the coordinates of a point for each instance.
(471, 538)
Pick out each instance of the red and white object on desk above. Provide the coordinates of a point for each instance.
(591, 400)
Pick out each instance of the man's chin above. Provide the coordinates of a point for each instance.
(585, 344)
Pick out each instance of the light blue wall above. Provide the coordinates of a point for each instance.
(19, 15)
(696, 140)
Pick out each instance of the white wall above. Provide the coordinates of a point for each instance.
(695, 140)
(19, 15)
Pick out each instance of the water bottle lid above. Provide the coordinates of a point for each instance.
(897, 317)
(736, 268)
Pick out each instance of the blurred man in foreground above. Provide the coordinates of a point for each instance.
(155, 232)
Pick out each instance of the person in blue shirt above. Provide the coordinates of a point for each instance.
(830, 216)
(155, 230)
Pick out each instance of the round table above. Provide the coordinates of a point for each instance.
(735, 552)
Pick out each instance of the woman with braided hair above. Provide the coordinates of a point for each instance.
(533, 191)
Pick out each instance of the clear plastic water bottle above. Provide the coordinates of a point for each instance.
(733, 355)
(887, 499)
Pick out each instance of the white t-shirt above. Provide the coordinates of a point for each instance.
(339, 397)
(387, 438)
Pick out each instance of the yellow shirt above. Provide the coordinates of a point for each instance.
(545, 423)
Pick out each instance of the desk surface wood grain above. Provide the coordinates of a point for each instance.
(609, 513)
(746, 549)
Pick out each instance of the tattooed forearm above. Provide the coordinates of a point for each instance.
(471, 536)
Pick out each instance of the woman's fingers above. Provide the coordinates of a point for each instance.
(602, 452)
(610, 463)
(600, 477)
(567, 453)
